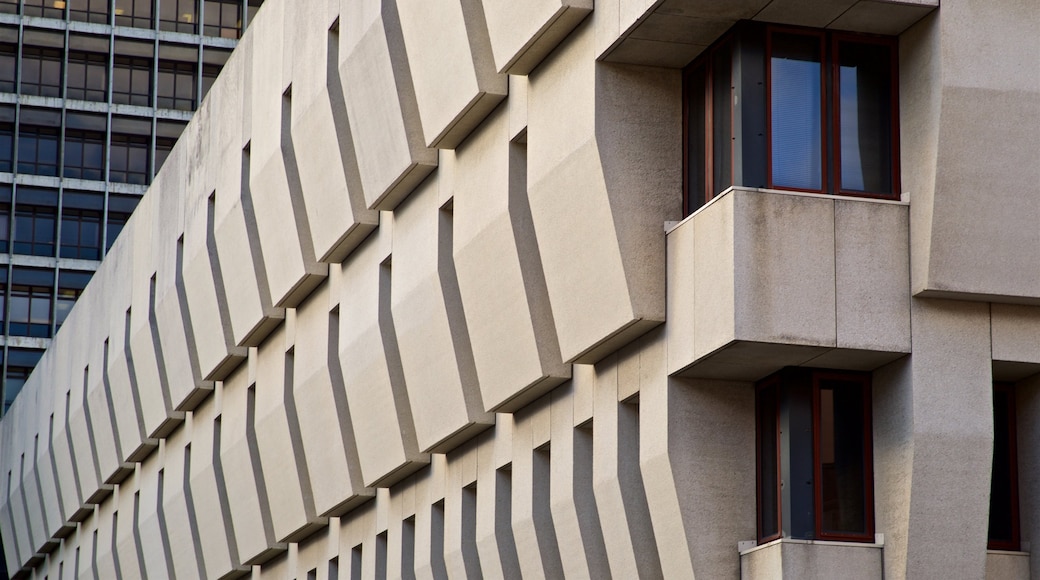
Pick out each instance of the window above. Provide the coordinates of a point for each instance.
(8, 62)
(119, 209)
(45, 8)
(6, 138)
(178, 15)
(31, 293)
(20, 363)
(9, 6)
(814, 456)
(213, 60)
(135, 13)
(131, 143)
(177, 83)
(132, 73)
(35, 217)
(38, 141)
(5, 220)
(81, 225)
(1004, 531)
(223, 18)
(84, 146)
(41, 71)
(792, 108)
(89, 11)
(70, 287)
(166, 134)
(87, 76)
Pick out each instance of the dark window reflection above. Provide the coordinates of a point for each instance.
(88, 11)
(119, 209)
(32, 291)
(178, 16)
(81, 225)
(842, 459)
(35, 220)
(223, 18)
(176, 87)
(796, 111)
(87, 76)
(41, 71)
(8, 64)
(132, 81)
(70, 287)
(135, 13)
(20, 363)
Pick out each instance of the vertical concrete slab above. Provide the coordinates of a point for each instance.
(381, 104)
(494, 532)
(698, 471)
(337, 214)
(246, 488)
(522, 35)
(155, 554)
(105, 558)
(276, 426)
(583, 552)
(103, 427)
(326, 428)
(129, 547)
(282, 226)
(453, 70)
(176, 505)
(209, 503)
(537, 549)
(435, 347)
(598, 198)
(372, 374)
(500, 277)
(617, 482)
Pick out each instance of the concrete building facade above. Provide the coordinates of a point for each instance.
(93, 95)
(461, 288)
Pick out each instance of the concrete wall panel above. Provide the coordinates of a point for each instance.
(380, 102)
(430, 326)
(185, 549)
(321, 401)
(155, 553)
(523, 34)
(128, 547)
(601, 242)
(278, 439)
(335, 205)
(247, 494)
(453, 71)
(381, 415)
(208, 499)
(500, 279)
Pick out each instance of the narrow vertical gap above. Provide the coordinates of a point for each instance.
(380, 571)
(542, 513)
(585, 502)
(222, 494)
(25, 501)
(457, 313)
(163, 531)
(75, 570)
(636, 508)
(312, 574)
(115, 545)
(504, 520)
(189, 328)
(470, 557)
(439, 568)
(193, 523)
(54, 465)
(36, 471)
(258, 469)
(408, 549)
(395, 369)
(292, 177)
(295, 434)
(138, 544)
(88, 418)
(160, 359)
(72, 450)
(355, 562)
(134, 390)
(94, 558)
(110, 402)
(339, 396)
(255, 251)
(216, 272)
(334, 568)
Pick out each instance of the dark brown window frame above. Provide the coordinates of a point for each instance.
(830, 113)
(775, 381)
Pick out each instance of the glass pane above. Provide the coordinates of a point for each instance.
(768, 515)
(842, 458)
(722, 118)
(695, 136)
(865, 101)
(1001, 504)
(19, 309)
(796, 133)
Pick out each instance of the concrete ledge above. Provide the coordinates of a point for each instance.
(812, 559)
(1002, 565)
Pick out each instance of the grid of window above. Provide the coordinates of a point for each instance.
(825, 103)
(45, 8)
(20, 363)
(35, 218)
(38, 150)
(81, 225)
(129, 159)
(89, 10)
(41, 71)
(86, 76)
(132, 81)
(178, 15)
(135, 13)
(223, 18)
(176, 87)
(30, 302)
